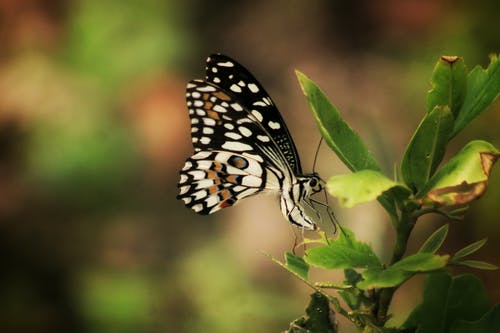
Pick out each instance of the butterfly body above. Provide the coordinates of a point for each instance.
(242, 146)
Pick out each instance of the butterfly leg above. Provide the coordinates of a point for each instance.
(329, 211)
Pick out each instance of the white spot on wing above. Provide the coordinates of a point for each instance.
(235, 88)
(226, 64)
(241, 83)
(204, 165)
(200, 112)
(259, 103)
(253, 87)
(251, 181)
(200, 195)
(201, 155)
(197, 207)
(208, 130)
(212, 201)
(205, 140)
(198, 103)
(257, 115)
(274, 125)
(196, 94)
(209, 121)
(236, 146)
(184, 179)
(229, 126)
(263, 138)
(232, 135)
(206, 89)
(237, 107)
(216, 80)
(245, 131)
(186, 200)
(219, 108)
(204, 183)
(197, 174)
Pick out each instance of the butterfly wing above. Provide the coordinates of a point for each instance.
(212, 180)
(237, 81)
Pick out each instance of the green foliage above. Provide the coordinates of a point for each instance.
(490, 322)
(402, 270)
(297, 265)
(446, 300)
(483, 87)
(362, 186)
(427, 147)
(346, 143)
(450, 304)
(449, 84)
(317, 319)
(344, 252)
(434, 242)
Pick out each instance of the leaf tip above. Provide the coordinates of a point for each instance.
(450, 59)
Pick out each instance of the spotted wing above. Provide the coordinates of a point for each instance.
(220, 122)
(237, 82)
(212, 180)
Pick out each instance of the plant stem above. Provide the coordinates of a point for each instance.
(404, 228)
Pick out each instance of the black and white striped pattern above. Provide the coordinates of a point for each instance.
(242, 146)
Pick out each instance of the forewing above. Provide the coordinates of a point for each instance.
(219, 122)
(241, 86)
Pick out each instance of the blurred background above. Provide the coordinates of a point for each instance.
(94, 128)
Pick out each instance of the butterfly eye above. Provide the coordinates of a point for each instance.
(313, 182)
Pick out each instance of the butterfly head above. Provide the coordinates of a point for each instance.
(313, 183)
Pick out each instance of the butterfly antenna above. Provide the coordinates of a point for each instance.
(316, 154)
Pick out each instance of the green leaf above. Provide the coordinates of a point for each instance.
(344, 252)
(434, 242)
(297, 265)
(488, 323)
(383, 278)
(483, 87)
(447, 300)
(317, 318)
(401, 271)
(346, 143)
(351, 296)
(421, 262)
(469, 249)
(449, 83)
(427, 146)
(463, 178)
(362, 186)
(477, 264)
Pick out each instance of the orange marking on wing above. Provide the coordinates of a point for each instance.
(213, 115)
(224, 204)
(232, 179)
(213, 189)
(205, 96)
(218, 166)
(222, 96)
(214, 176)
(208, 105)
(225, 194)
(240, 163)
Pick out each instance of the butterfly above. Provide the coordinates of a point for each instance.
(241, 147)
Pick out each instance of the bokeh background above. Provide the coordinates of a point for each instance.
(94, 128)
